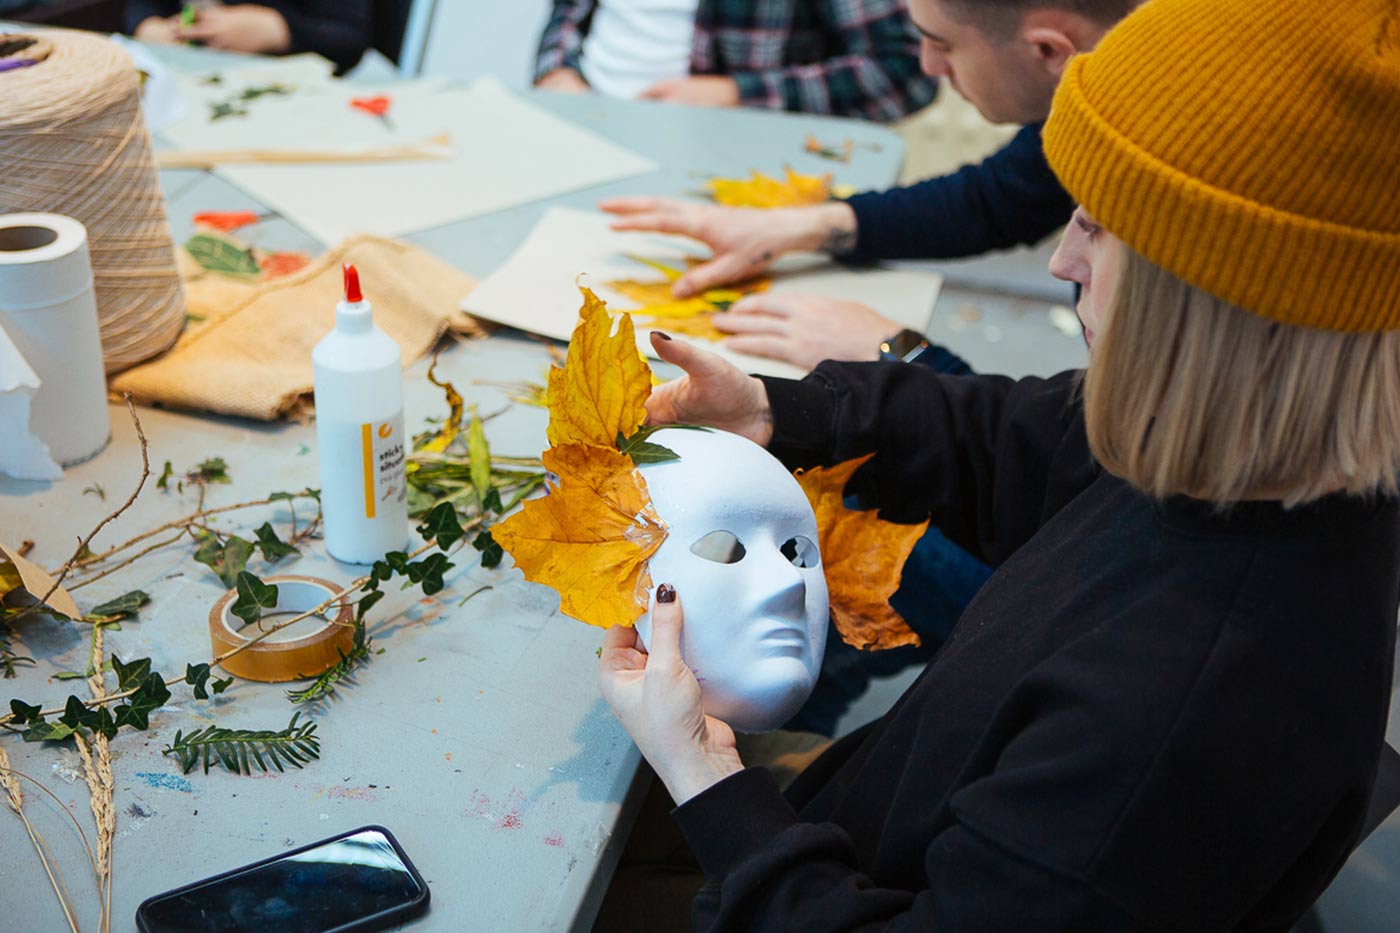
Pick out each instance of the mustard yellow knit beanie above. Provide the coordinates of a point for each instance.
(1249, 147)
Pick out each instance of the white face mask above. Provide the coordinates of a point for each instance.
(741, 550)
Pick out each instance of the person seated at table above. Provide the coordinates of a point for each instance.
(336, 29)
(1005, 57)
(855, 58)
(1165, 709)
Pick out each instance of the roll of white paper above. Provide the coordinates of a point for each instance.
(48, 311)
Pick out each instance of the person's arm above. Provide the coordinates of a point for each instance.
(561, 43)
(1011, 198)
(336, 29)
(987, 458)
(876, 75)
(136, 12)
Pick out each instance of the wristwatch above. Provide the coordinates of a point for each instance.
(904, 347)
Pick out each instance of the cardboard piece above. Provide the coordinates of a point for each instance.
(34, 581)
(535, 289)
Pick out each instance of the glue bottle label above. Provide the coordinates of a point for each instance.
(382, 463)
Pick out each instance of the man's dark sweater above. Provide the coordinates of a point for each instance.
(1152, 717)
(1010, 199)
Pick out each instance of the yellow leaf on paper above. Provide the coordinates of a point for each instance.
(863, 556)
(602, 389)
(590, 537)
(657, 306)
(760, 190)
(34, 581)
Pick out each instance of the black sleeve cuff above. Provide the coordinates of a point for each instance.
(803, 412)
(719, 836)
(872, 211)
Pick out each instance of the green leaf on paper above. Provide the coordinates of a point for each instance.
(223, 256)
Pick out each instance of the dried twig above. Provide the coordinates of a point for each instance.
(9, 779)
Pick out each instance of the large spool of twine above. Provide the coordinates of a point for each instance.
(73, 141)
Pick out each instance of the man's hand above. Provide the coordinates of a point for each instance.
(804, 329)
(713, 392)
(246, 27)
(696, 90)
(657, 700)
(745, 241)
(564, 80)
(160, 30)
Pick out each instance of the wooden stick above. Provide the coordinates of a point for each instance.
(438, 147)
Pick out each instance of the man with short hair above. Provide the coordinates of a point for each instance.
(1005, 57)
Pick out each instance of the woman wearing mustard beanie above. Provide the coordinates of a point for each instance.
(1165, 709)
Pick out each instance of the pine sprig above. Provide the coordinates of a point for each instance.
(238, 749)
(342, 671)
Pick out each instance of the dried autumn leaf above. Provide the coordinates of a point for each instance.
(590, 538)
(864, 557)
(277, 265)
(32, 578)
(656, 305)
(602, 389)
(760, 190)
(226, 221)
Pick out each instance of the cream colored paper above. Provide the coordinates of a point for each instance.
(506, 152)
(23, 455)
(535, 289)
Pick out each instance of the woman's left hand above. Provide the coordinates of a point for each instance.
(657, 699)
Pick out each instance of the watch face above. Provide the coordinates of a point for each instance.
(904, 344)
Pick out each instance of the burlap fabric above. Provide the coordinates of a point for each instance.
(250, 355)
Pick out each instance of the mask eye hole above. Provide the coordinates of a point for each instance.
(722, 547)
(801, 552)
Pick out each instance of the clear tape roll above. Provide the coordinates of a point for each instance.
(278, 661)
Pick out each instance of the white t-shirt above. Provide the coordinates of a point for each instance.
(633, 44)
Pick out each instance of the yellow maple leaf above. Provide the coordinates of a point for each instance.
(590, 538)
(601, 391)
(656, 305)
(760, 190)
(863, 557)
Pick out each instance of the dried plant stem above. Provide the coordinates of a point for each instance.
(107, 571)
(349, 588)
(97, 772)
(15, 799)
(83, 544)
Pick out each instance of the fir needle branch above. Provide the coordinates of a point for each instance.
(349, 588)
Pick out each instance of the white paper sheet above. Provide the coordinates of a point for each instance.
(535, 289)
(23, 455)
(507, 151)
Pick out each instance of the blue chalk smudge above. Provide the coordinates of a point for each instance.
(166, 781)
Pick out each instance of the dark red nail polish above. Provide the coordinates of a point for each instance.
(662, 335)
(665, 593)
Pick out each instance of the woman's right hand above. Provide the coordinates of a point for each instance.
(713, 392)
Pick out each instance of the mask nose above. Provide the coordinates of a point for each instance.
(785, 590)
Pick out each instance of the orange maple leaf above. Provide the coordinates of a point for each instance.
(760, 190)
(690, 316)
(863, 556)
(590, 538)
(601, 391)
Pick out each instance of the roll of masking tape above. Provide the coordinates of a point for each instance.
(284, 656)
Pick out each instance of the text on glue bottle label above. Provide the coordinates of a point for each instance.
(382, 463)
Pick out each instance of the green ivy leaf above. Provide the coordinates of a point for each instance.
(491, 552)
(197, 675)
(136, 711)
(219, 254)
(213, 470)
(428, 572)
(125, 605)
(164, 481)
(273, 548)
(307, 493)
(441, 526)
(76, 715)
(47, 732)
(226, 558)
(492, 502)
(643, 451)
(219, 686)
(129, 675)
(480, 453)
(70, 675)
(253, 597)
(25, 713)
(366, 603)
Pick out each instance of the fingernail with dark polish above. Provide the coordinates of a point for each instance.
(662, 334)
(665, 593)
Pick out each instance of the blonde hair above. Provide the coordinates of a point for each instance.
(1190, 395)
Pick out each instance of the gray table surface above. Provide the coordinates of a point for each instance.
(478, 736)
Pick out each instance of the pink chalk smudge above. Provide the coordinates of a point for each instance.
(554, 839)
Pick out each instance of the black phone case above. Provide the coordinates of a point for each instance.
(379, 921)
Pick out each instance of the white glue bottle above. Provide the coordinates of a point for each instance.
(359, 434)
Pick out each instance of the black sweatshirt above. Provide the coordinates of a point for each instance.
(1011, 198)
(335, 29)
(1152, 717)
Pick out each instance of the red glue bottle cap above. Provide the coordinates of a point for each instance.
(352, 284)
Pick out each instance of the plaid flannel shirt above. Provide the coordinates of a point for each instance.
(849, 57)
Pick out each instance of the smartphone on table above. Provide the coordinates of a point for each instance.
(359, 880)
